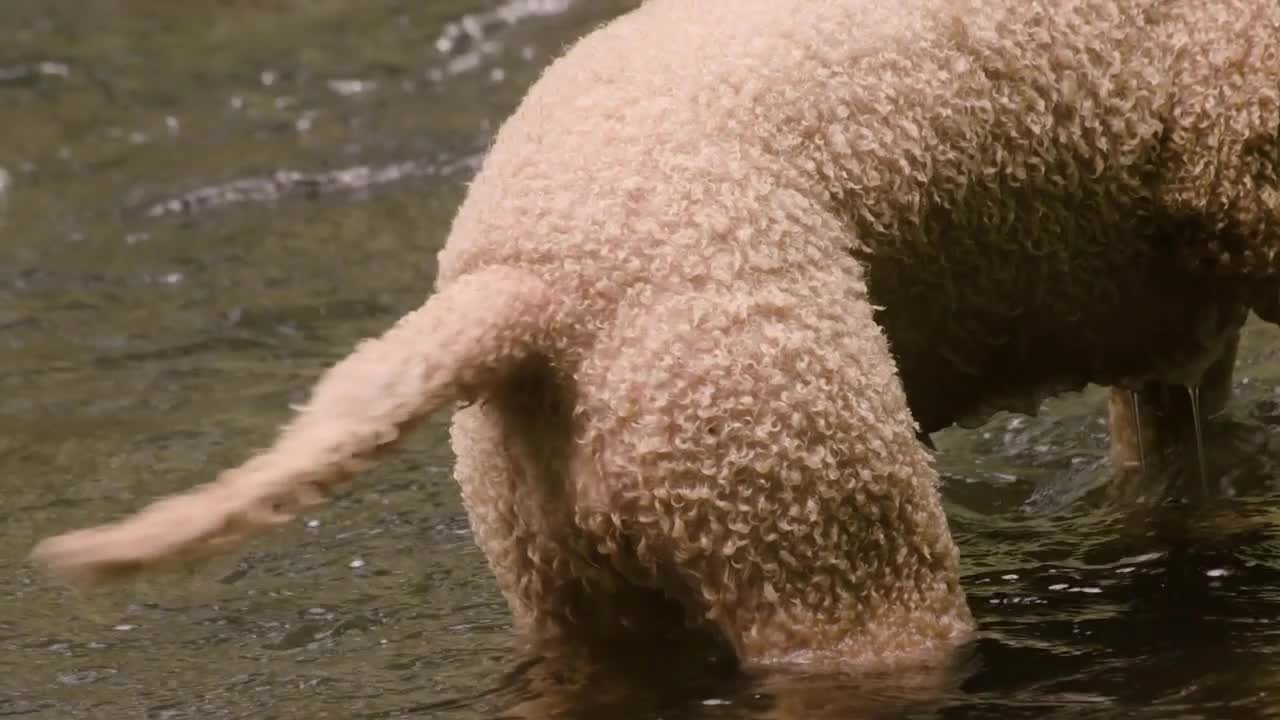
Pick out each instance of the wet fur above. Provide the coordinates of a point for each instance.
(678, 296)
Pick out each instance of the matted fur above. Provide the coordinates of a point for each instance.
(657, 290)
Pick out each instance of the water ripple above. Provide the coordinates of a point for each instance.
(284, 184)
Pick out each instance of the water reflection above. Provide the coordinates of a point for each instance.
(203, 204)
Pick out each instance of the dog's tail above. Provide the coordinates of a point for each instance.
(460, 341)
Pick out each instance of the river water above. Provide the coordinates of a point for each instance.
(203, 204)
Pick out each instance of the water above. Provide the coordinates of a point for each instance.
(203, 204)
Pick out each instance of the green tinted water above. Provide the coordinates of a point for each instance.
(203, 204)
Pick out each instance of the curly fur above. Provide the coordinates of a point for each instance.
(675, 285)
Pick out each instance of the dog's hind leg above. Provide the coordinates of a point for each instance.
(519, 465)
(757, 459)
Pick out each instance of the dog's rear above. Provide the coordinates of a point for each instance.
(465, 338)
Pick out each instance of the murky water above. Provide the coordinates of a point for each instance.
(202, 204)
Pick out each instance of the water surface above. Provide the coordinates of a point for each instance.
(203, 204)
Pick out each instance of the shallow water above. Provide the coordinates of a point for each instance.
(202, 204)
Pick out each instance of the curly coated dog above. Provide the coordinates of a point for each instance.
(729, 257)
